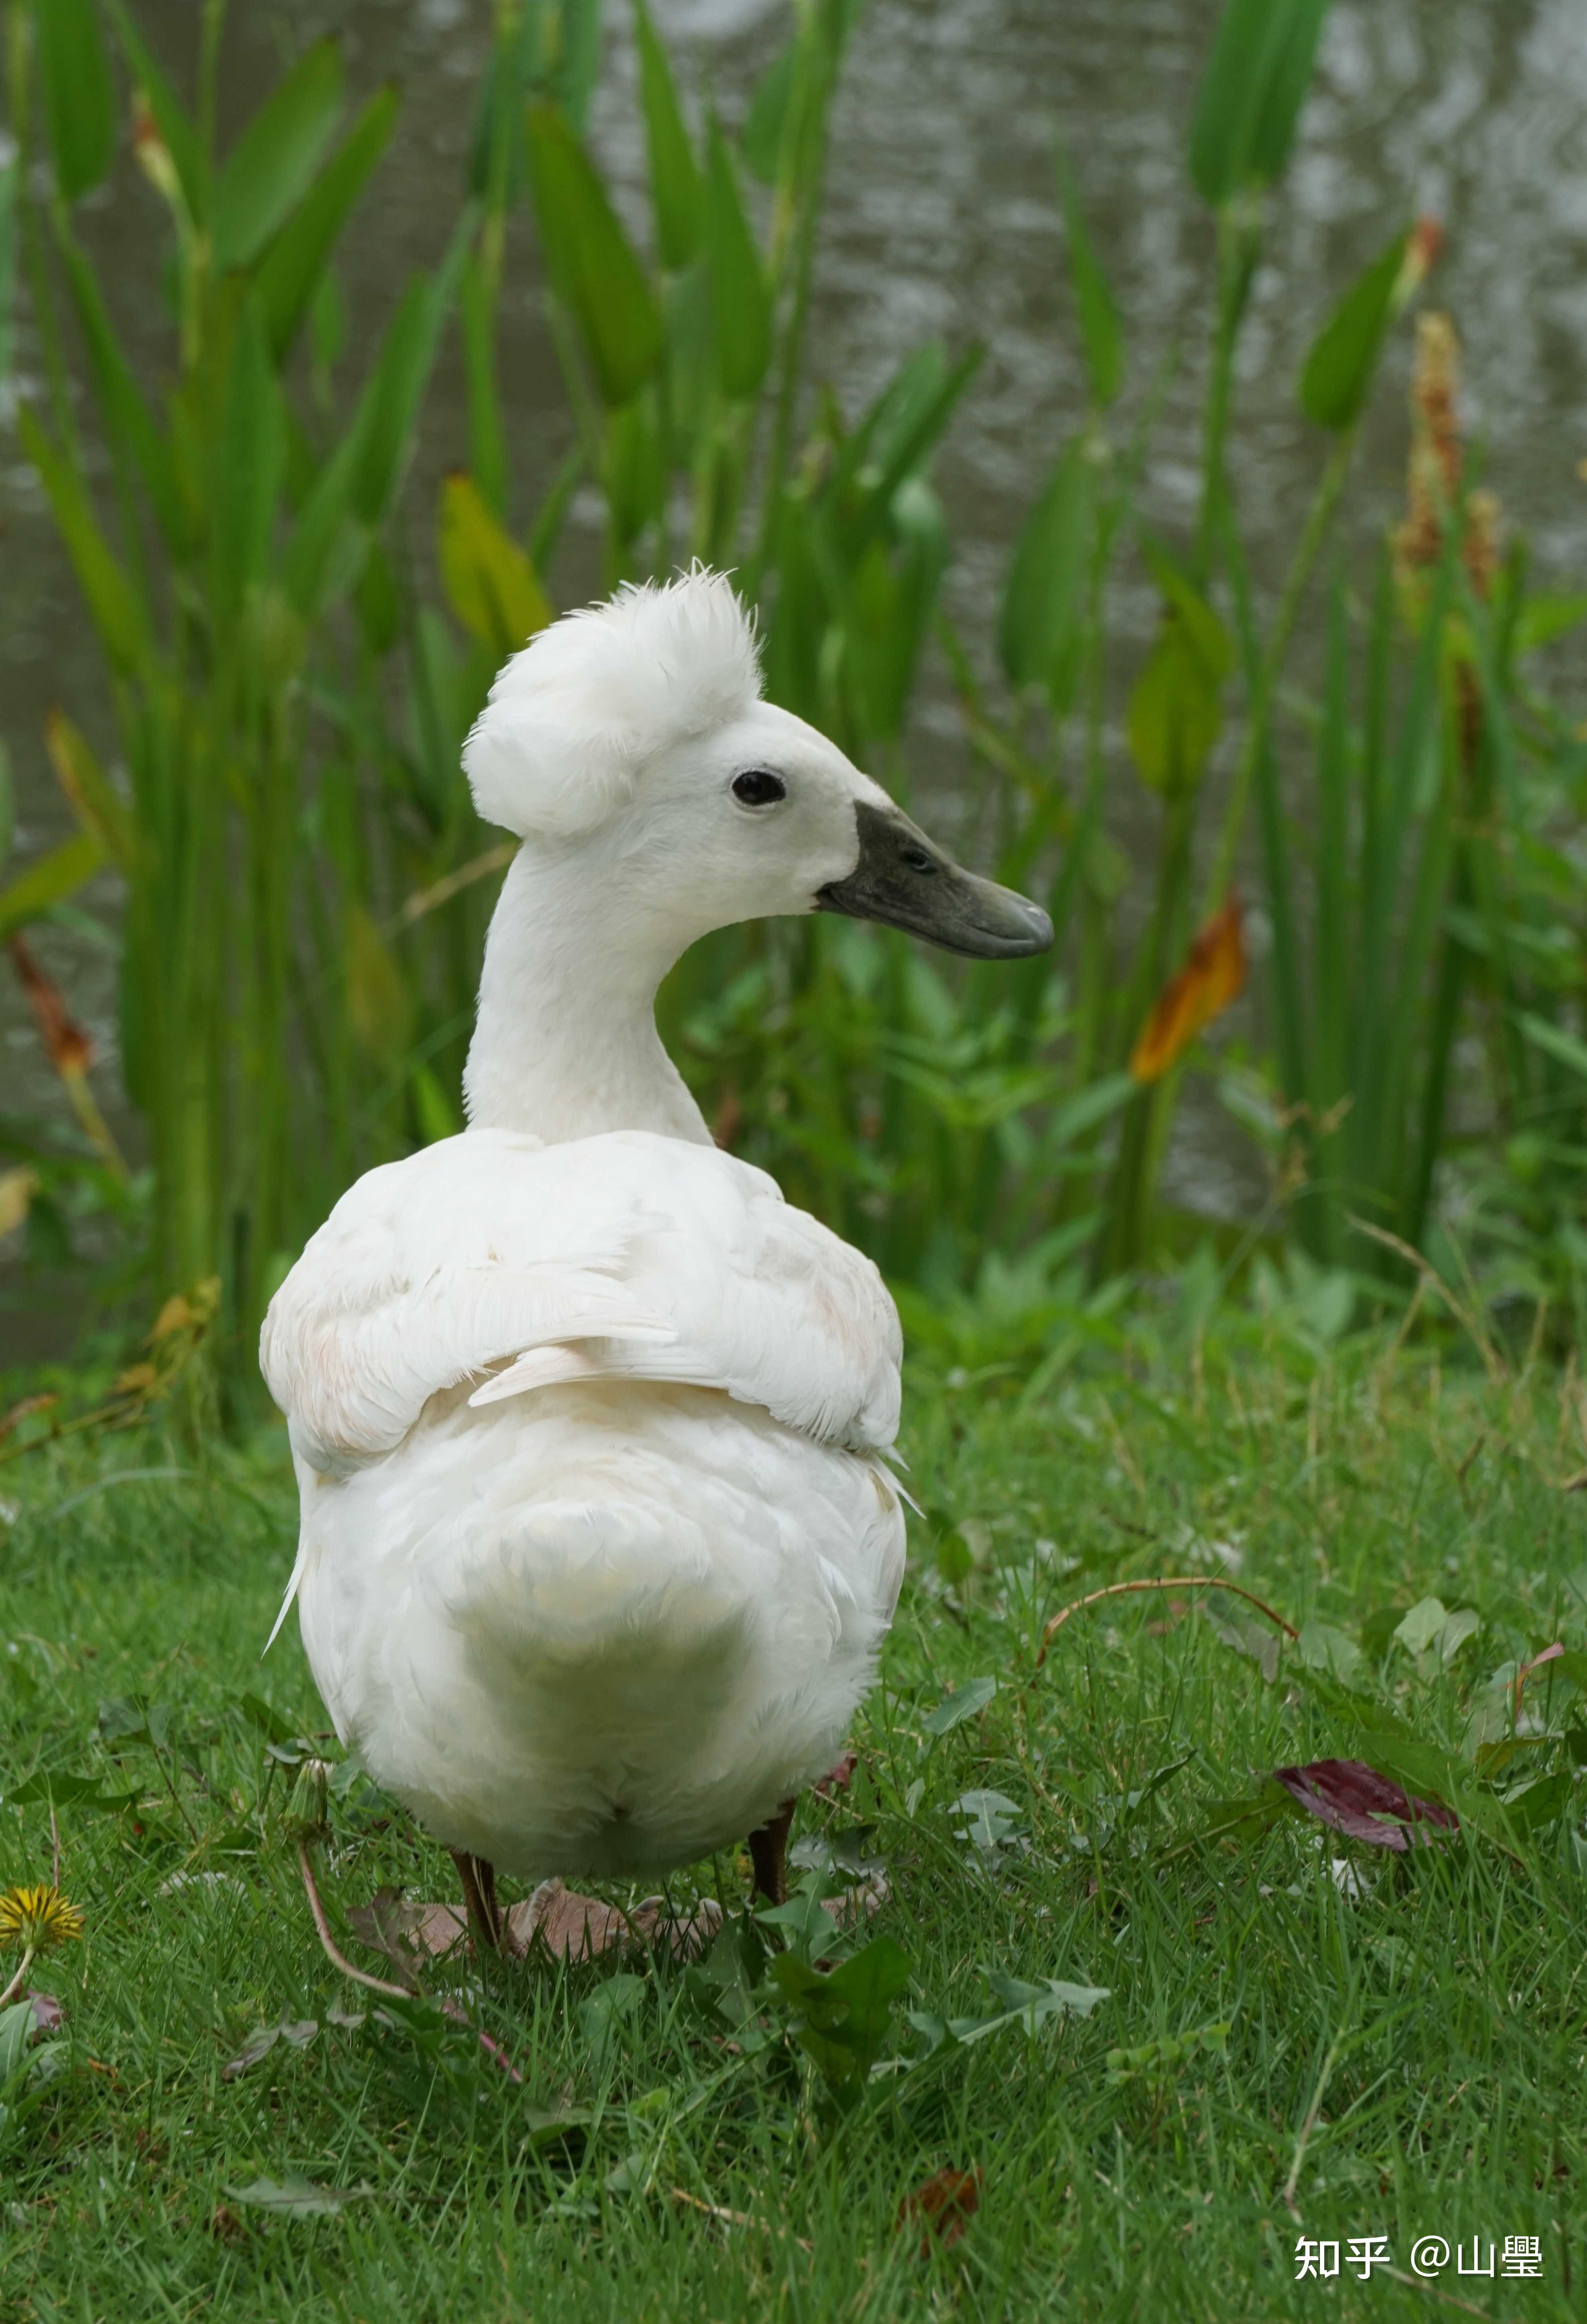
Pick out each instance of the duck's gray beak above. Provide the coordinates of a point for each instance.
(905, 880)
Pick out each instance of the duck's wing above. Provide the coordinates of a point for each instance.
(626, 1256)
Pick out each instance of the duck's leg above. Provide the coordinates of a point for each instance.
(769, 1855)
(479, 1895)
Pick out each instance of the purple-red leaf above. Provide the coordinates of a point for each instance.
(1355, 1800)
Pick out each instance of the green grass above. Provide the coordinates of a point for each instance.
(1428, 2026)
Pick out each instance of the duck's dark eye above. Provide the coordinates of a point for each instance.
(758, 787)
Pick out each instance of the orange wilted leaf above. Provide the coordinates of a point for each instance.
(1213, 976)
(943, 2205)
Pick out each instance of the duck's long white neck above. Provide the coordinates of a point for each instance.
(566, 1043)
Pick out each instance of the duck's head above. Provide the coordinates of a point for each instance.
(631, 739)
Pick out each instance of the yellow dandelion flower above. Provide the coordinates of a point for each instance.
(38, 1918)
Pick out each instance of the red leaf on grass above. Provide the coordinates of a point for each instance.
(943, 2205)
(1357, 1801)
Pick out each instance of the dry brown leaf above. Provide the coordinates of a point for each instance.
(572, 1927)
(66, 1044)
(1213, 976)
(24, 1410)
(1354, 1799)
(942, 2205)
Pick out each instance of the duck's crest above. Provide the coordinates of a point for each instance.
(572, 719)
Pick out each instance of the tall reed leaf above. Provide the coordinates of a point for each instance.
(1251, 93)
(128, 422)
(676, 190)
(273, 163)
(1338, 374)
(250, 462)
(493, 587)
(291, 268)
(111, 599)
(590, 260)
(79, 97)
(1044, 605)
(740, 301)
(1101, 332)
(397, 384)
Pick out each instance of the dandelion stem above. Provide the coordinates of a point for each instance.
(15, 1988)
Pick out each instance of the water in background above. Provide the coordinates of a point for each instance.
(942, 220)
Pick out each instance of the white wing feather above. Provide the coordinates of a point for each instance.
(625, 1256)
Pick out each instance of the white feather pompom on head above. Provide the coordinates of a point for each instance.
(570, 722)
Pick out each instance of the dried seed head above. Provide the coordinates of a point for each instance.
(1434, 475)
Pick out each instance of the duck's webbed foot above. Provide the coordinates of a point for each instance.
(769, 1855)
(485, 1919)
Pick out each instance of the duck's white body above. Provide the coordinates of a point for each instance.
(615, 1618)
(597, 1545)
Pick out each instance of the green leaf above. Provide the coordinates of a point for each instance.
(1422, 1625)
(43, 1790)
(175, 131)
(48, 882)
(297, 2198)
(845, 2016)
(740, 301)
(1251, 93)
(591, 263)
(118, 614)
(636, 474)
(269, 168)
(389, 415)
(1540, 621)
(1325, 1648)
(676, 190)
(79, 97)
(963, 1704)
(761, 137)
(291, 267)
(250, 461)
(88, 790)
(1100, 331)
(1175, 711)
(1338, 374)
(127, 417)
(1559, 1044)
(1044, 604)
(491, 585)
